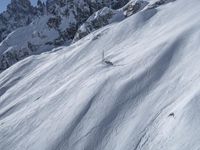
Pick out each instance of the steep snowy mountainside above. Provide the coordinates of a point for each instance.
(36, 38)
(70, 99)
(62, 17)
(107, 16)
(20, 13)
(134, 6)
(99, 19)
(59, 26)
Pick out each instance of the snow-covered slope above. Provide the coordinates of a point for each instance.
(45, 26)
(23, 42)
(70, 99)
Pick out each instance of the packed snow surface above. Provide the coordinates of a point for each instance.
(149, 99)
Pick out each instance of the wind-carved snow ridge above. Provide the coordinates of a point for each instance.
(68, 99)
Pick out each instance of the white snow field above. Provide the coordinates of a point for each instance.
(68, 99)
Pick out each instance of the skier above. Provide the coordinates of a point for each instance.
(171, 115)
(109, 63)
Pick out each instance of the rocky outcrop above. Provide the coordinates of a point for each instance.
(99, 19)
(106, 16)
(159, 3)
(12, 56)
(134, 6)
(75, 13)
(19, 13)
(35, 38)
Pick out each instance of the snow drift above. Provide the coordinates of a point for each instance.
(70, 99)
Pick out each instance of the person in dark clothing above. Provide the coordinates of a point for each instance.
(171, 115)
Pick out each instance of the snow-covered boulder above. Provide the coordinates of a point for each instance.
(21, 13)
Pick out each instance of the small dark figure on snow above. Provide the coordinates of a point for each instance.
(171, 115)
(106, 61)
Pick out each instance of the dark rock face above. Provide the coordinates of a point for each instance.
(159, 3)
(54, 22)
(41, 8)
(99, 19)
(60, 20)
(133, 7)
(12, 56)
(19, 13)
(90, 6)
(78, 11)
